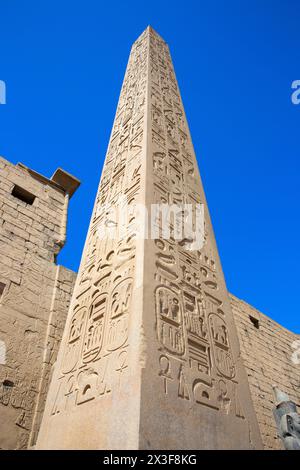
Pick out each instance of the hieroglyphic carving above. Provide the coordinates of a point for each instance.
(221, 348)
(165, 371)
(117, 330)
(75, 339)
(94, 352)
(170, 320)
(190, 320)
(95, 328)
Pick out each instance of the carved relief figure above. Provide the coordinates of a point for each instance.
(119, 315)
(169, 320)
(95, 328)
(221, 349)
(74, 340)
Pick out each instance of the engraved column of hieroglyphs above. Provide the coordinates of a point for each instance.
(190, 319)
(96, 346)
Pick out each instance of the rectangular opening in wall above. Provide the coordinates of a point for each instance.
(2, 287)
(8, 383)
(254, 321)
(23, 195)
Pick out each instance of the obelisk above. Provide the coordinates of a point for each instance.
(149, 357)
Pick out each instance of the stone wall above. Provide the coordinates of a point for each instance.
(267, 351)
(34, 297)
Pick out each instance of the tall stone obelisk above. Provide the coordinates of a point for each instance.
(149, 358)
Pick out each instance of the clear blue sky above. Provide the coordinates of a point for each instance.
(63, 63)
